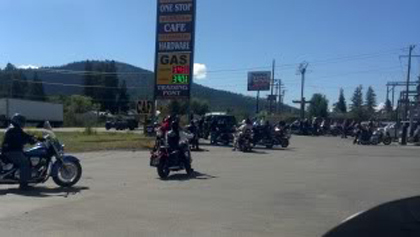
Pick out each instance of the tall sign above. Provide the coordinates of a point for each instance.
(174, 56)
(259, 81)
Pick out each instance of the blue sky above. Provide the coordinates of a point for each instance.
(346, 42)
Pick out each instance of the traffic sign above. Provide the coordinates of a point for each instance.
(145, 107)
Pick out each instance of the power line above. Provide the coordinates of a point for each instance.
(78, 85)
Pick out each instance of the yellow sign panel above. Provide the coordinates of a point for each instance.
(170, 65)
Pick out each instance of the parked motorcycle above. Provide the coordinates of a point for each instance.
(380, 137)
(166, 160)
(47, 159)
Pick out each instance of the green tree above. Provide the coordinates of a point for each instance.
(341, 106)
(370, 101)
(89, 80)
(78, 104)
(199, 107)
(357, 109)
(110, 90)
(123, 98)
(19, 85)
(36, 89)
(318, 106)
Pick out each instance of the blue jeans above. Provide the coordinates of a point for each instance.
(19, 159)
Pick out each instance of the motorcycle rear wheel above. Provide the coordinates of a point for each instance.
(387, 141)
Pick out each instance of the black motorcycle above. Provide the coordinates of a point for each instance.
(281, 137)
(47, 159)
(263, 137)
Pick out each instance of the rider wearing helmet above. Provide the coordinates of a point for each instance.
(173, 138)
(14, 141)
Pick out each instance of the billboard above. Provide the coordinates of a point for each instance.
(175, 33)
(259, 81)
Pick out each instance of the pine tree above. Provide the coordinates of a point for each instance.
(36, 89)
(110, 91)
(19, 85)
(370, 100)
(357, 99)
(357, 109)
(341, 106)
(89, 80)
(123, 98)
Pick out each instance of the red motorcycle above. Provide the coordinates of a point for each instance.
(166, 160)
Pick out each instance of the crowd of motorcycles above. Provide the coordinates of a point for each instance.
(369, 133)
(245, 137)
(248, 135)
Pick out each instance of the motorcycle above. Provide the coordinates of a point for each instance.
(380, 137)
(166, 160)
(281, 137)
(47, 159)
(261, 138)
(245, 141)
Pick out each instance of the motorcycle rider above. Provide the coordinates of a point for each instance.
(193, 129)
(14, 141)
(173, 138)
(246, 125)
(268, 130)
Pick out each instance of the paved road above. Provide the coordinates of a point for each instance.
(301, 191)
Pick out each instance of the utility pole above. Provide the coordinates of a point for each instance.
(272, 86)
(406, 98)
(279, 105)
(302, 69)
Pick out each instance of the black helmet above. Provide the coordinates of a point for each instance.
(248, 121)
(18, 120)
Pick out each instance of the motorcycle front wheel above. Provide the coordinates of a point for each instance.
(68, 174)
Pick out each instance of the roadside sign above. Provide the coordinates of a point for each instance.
(259, 81)
(145, 107)
(272, 97)
(174, 54)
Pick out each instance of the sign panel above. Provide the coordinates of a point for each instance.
(174, 48)
(144, 107)
(259, 81)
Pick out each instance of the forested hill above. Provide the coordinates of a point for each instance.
(69, 79)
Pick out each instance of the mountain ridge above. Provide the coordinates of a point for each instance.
(68, 79)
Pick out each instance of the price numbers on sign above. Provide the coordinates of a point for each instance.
(181, 70)
(180, 79)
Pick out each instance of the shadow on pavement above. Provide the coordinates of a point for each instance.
(185, 177)
(43, 192)
(200, 150)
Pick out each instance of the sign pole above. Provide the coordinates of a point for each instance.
(258, 102)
